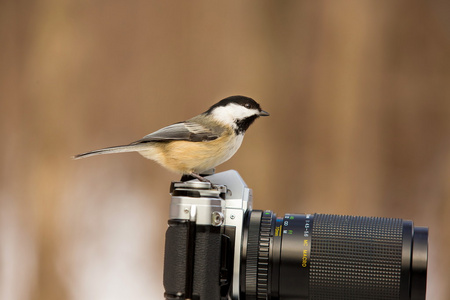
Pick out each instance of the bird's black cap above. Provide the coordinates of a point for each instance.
(240, 100)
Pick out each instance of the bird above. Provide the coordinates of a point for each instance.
(199, 144)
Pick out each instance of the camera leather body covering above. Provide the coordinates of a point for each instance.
(192, 274)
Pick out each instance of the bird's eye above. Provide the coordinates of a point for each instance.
(247, 105)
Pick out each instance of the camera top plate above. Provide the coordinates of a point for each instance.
(197, 189)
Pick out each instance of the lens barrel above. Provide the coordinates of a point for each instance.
(320, 256)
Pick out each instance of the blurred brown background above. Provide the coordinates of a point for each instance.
(359, 96)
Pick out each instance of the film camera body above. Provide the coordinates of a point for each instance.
(217, 247)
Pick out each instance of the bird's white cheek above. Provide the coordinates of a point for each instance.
(228, 115)
(222, 115)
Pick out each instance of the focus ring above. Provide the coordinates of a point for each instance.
(355, 258)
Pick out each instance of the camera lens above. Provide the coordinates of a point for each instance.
(321, 256)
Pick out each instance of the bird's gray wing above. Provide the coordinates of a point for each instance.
(187, 131)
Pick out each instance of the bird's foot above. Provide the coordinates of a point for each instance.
(203, 179)
(200, 178)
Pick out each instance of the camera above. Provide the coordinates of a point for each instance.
(217, 247)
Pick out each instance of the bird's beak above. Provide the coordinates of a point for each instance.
(263, 113)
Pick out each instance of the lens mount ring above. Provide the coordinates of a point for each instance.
(258, 254)
(251, 265)
(263, 255)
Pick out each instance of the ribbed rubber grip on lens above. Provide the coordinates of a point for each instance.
(355, 258)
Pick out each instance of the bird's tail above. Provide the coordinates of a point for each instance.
(116, 149)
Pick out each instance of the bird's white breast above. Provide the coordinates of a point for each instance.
(232, 147)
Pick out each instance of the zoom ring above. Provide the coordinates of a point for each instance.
(263, 254)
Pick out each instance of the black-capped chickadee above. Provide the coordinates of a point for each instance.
(200, 143)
